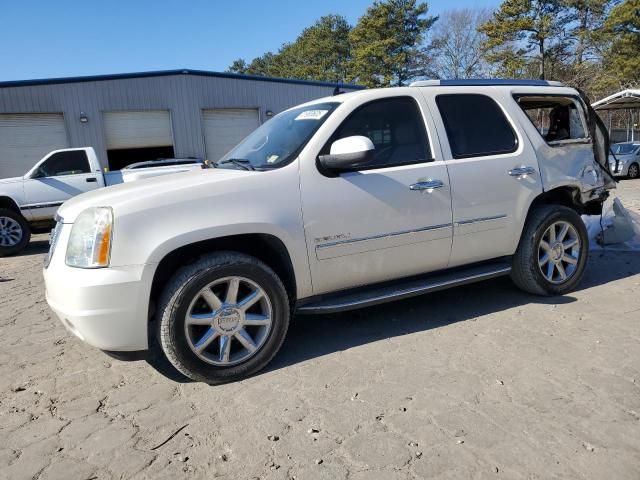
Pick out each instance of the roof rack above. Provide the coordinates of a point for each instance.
(486, 82)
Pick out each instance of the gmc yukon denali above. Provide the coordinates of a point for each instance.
(340, 203)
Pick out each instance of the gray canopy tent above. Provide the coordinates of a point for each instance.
(628, 100)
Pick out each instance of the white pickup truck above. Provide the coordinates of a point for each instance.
(341, 203)
(30, 202)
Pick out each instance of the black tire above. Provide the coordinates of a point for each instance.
(183, 288)
(25, 232)
(633, 172)
(526, 273)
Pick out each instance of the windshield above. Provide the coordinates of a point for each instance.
(279, 140)
(624, 148)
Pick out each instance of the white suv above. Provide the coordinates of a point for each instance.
(340, 203)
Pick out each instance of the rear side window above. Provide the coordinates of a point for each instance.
(557, 119)
(475, 125)
(71, 162)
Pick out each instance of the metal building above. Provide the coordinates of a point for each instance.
(141, 116)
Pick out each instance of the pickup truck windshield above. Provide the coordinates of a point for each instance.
(279, 140)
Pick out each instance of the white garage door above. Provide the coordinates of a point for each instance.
(26, 137)
(224, 128)
(137, 129)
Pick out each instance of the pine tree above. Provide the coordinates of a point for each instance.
(321, 52)
(386, 43)
(520, 28)
(622, 31)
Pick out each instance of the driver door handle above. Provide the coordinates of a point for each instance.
(428, 185)
(522, 171)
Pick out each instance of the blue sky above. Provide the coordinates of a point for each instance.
(58, 38)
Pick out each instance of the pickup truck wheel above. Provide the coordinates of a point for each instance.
(14, 232)
(553, 251)
(223, 318)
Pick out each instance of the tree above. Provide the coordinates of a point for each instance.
(321, 52)
(386, 43)
(238, 66)
(585, 18)
(520, 28)
(457, 47)
(622, 31)
(264, 65)
(579, 63)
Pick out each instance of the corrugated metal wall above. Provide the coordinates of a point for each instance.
(185, 96)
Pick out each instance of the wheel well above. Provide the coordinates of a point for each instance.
(568, 197)
(264, 247)
(7, 202)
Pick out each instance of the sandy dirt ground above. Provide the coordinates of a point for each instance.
(481, 381)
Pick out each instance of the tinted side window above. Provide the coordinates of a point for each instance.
(396, 128)
(66, 163)
(475, 125)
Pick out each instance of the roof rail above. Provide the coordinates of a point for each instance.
(472, 82)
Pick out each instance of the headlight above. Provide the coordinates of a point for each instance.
(89, 243)
(53, 240)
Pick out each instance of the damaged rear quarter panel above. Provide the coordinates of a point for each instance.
(568, 163)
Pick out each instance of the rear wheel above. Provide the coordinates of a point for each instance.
(14, 232)
(552, 254)
(634, 171)
(223, 318)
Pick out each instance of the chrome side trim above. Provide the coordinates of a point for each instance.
(479, 220)
(35, 206)
(383, 235)
(352, 302)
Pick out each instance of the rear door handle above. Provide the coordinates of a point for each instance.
(428, 185)
(92, 179)
(522, 171)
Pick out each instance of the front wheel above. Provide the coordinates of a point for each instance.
(14, 232)
(634, 171)
(553, 251)
(223, 318)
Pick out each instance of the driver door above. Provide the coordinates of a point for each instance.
(64, 174)
(377, 223)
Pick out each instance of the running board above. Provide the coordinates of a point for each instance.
(400, 289)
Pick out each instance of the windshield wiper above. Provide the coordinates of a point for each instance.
(240, 162)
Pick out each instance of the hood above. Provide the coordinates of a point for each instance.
(156, 190)
(10, 180)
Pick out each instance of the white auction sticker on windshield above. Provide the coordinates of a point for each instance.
(312, 115)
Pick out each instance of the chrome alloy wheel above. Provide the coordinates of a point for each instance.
(559, 252)
(228, 321)
(10, 232)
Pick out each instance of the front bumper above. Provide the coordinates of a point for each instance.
(105, 307)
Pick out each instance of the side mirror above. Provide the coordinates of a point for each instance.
(348, 154)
